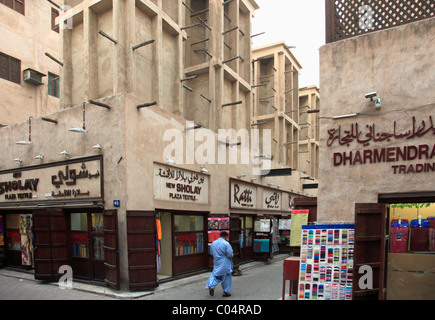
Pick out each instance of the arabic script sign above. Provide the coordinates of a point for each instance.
(399, 156)
(176, 184)
(78, 179)
(370, 134)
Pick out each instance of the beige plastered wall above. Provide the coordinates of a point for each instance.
(27, 38)
(131, 140)
(398, 64)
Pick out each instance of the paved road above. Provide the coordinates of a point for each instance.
(259, 281)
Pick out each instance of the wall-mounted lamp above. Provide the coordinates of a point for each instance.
(19, 160)
(204, 170)
(169, 160)
(241, 176)
(279, 186)
(39, 157)
(65, 153)
(253, 179)
(346, 116)
(270, 184)
(98, 146)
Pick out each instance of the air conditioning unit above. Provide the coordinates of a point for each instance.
(33, 77)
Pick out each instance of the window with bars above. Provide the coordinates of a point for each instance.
(17, 5)
(10, 68)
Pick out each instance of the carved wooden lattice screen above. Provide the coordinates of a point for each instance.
(349, 18)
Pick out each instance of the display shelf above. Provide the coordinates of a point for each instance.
(326, 262)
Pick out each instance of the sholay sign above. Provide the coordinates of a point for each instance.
(423, 153)
(177, 184)
(70, 180)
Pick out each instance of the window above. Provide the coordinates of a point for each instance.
(10, 68)
(189, 235)
(17, 5)
(53, 85)
(54, 15)
(79, 235)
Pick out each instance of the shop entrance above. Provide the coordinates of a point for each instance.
(400, 256)
(16, 240)
(182, 245)
(87, 245)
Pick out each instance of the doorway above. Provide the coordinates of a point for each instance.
(87, 245)
(182, 247)
(394, 273)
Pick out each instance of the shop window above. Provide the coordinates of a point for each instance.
(79, 235)
(19, 239)
(17, 5)
(189, 234)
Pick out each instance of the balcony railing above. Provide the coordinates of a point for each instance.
(350, 18)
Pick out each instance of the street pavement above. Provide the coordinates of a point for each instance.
(258, 281)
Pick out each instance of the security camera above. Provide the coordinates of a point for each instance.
(371, 95)
(378, 103)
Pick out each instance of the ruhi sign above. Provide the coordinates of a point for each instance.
(251, 196)
(423, 153)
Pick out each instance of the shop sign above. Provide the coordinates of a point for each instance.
(76, 179)
(176, 184)
(422, 153)
(243, 195)
(272, 199)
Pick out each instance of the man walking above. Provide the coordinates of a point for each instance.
(222, 265)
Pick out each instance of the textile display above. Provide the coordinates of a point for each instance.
(261, 245)
(25, 225)
(326, 262)
(299, 218)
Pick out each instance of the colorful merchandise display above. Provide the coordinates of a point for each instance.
(266, 235)
(399, 235)
(215, 227)
(298, 219)
(326, 262)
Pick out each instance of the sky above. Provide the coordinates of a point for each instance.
(299, 23)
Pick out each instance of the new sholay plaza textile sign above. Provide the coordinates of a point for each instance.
(176, 184)
(77, 179)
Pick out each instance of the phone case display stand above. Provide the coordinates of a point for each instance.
(326, 262)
